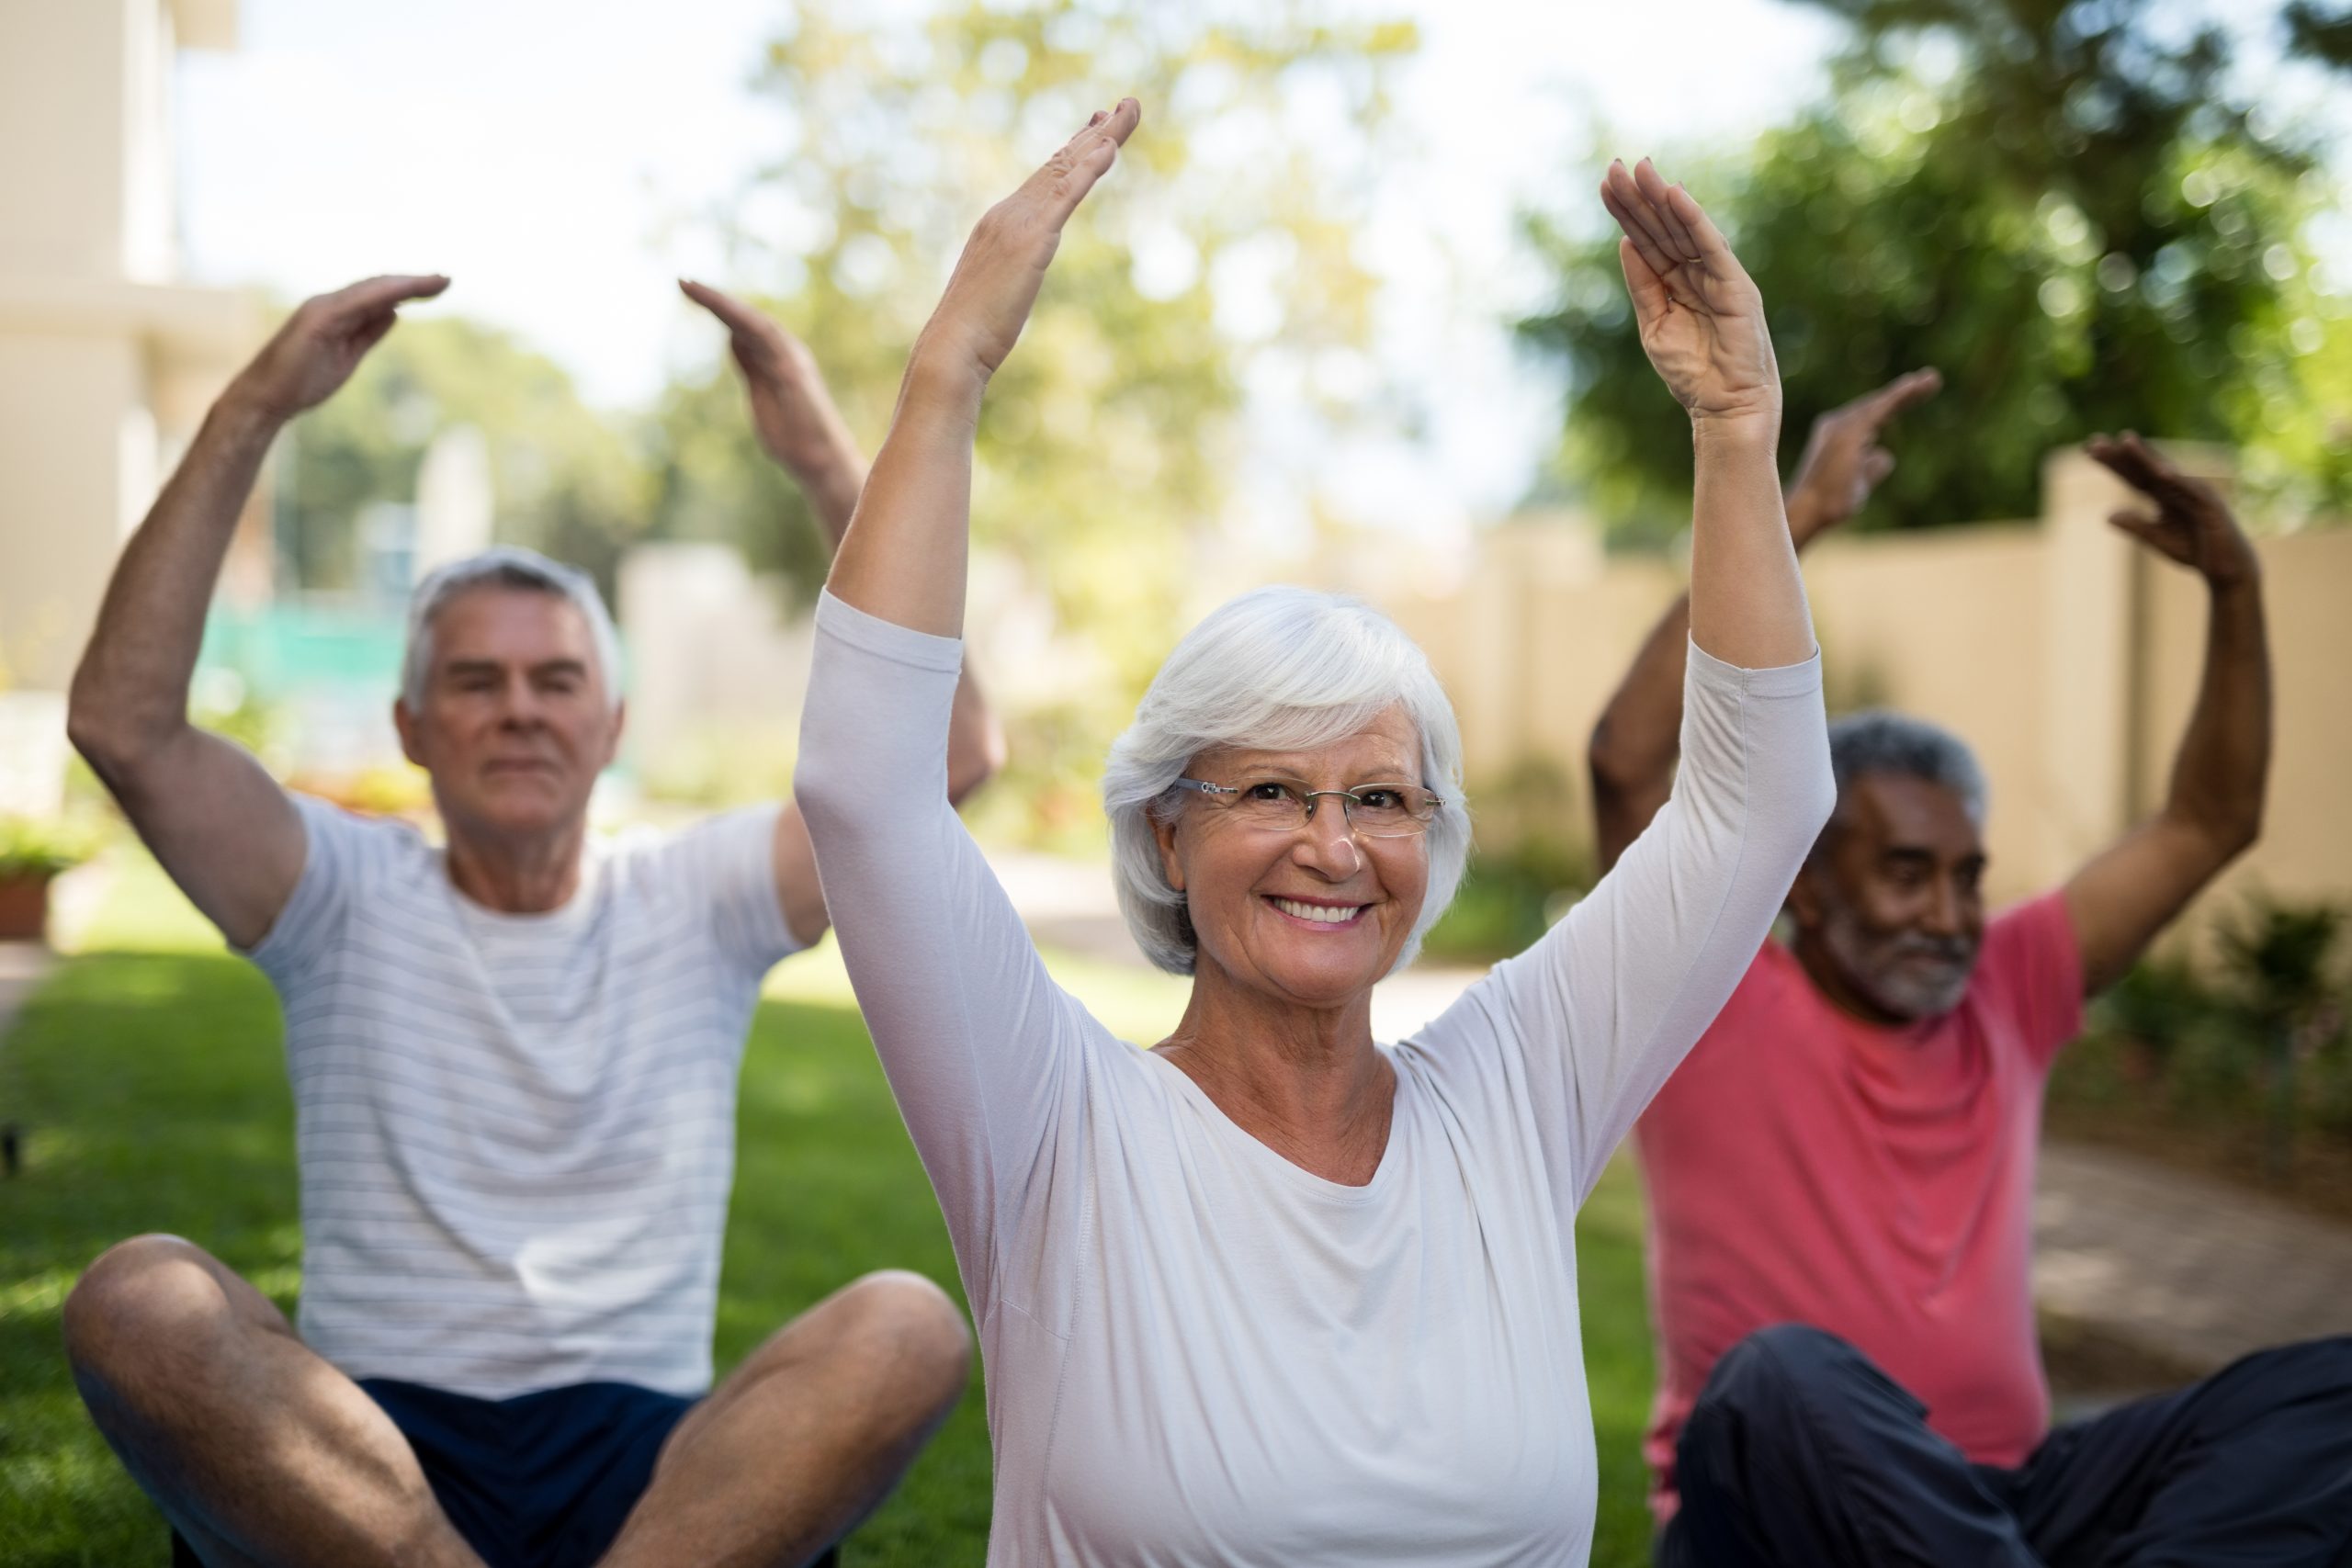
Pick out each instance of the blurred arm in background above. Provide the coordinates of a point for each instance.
(802, 430)
(218, 823)
(1639, 734)
(2213, 812)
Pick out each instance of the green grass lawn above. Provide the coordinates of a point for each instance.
(149, 1073)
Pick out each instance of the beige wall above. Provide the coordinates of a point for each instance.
(106, 365)
(70, 441)
(2066, 656)
(2306, 848)
(1949, 626)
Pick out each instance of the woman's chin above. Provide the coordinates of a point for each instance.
(1326, 980)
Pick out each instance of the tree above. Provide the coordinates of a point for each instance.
(2073, 218)
(1220, 248)
(566, 480)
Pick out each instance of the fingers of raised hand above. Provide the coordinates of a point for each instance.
(2138, 465)
(1642, 281)
(1622, 195)
(733, 312)
(1085, 158)
(370, 295)
(1679, 237)
(757, 342)
(1907, 391)
(2156, 533)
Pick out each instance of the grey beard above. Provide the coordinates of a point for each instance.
(1871, 964)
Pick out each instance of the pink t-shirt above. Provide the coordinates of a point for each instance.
(1804, 1167)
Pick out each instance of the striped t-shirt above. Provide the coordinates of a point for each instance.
(516, 1132)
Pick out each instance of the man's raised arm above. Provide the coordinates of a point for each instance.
(1638, 736)
(2213, 812)
(217, 822)
(801, 429)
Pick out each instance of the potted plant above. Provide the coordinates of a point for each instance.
(32, 851)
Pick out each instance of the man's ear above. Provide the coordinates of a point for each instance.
(405, 722)
(1170, 867)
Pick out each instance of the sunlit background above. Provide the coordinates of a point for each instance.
(1347, 313)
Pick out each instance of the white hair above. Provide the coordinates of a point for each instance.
(1877, 742)
(507, 566)
(1279, 669)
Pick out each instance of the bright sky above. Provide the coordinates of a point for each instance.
(562, 160)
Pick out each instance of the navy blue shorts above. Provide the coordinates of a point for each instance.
(543, 1479)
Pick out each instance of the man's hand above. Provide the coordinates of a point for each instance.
(1700, 319)
(2192, 524)
(322, 342)
(790, 407)
(2212, 810)
(1843, 460)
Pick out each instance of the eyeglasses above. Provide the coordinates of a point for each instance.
(1284, 806)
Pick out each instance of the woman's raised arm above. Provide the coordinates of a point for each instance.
(1701, 323)
(984, 1052)
(904, 556)
(1606, 1004)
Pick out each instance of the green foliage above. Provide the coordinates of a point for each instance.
(154, 1090)
(1107, 444)
(2281, 957)
(1529, 866)
(40, 846)
(2252, 1053)
(2076, 223)
(566, 480)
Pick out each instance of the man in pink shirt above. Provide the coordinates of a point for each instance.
(1841, 1173)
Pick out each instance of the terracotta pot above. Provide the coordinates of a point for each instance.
(24, 906)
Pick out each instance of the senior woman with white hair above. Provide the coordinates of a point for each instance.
(1271, 1292)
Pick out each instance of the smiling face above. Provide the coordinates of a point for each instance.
(1317, 914)
(1890, 911)
(516, 723)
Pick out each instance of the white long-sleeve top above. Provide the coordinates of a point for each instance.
(1197, 1352)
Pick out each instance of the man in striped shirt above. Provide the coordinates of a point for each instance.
(514, 1060)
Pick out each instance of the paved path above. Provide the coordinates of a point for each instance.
(2194, 1270)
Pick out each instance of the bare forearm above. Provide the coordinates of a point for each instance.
(905, 555)
(2219, 775)
(133, 680)
(1638, 736)
(975, 749)
(833, 488)
(1748, 603)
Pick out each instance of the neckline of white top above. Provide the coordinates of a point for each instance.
(1275, 1165)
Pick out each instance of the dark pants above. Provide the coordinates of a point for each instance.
(543, 1480)
(1801, 1453)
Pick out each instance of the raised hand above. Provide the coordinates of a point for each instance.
(996, 280)
(324, 342)
(1843, 461)
(2192, 524)
(790, 407)
(1700, 319)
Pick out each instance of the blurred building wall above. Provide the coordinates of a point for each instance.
(106, 363)
(711, 653)
(2067, 656)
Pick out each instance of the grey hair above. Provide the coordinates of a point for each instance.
(1877, 742)
(1278, 669)
(507, 566)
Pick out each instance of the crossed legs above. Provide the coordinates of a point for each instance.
(1801, 1451)
(262, 1454)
